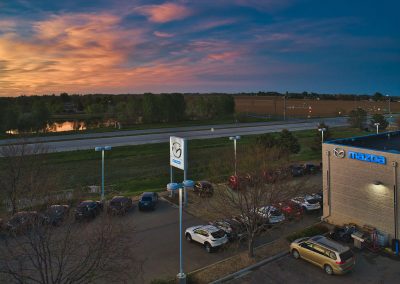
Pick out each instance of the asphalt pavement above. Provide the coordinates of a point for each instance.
(150, 136)
(370, 269)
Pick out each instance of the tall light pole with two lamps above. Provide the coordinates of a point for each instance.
(102, 149)
(186, 184)
(235, 138)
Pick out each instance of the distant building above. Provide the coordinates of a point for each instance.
(70, 108)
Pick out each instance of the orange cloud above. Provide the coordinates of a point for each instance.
(164, 13)
(229, 55)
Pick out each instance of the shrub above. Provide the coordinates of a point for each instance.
(318, 229)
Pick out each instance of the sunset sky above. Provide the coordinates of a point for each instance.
(121, 46)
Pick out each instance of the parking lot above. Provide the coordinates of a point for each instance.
(370, 268)
(158, 237)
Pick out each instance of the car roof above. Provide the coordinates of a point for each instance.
(147, 193)
(209, 228)
(119, 198)
(329, 243)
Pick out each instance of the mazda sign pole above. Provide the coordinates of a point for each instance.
(102, 149)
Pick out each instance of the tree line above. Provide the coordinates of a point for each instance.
(34, 113)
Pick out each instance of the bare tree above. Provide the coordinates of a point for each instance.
(75, 253)
(266, 182)
(23, 176)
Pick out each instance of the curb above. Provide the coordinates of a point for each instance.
(239, 273)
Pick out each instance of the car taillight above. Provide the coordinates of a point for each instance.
(340, 262)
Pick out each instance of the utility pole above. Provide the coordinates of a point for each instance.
(284, 106)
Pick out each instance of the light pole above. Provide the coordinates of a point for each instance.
(187, 184)
(235, 138)
(377, 127)
(390, 112)
(102, 149)
(322, 130)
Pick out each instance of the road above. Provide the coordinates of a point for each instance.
(66, 143)
(370, 268)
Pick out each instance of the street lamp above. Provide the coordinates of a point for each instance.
(377, 127)
(187, 184)
(234, 138)
(322, 130)
(102, 149)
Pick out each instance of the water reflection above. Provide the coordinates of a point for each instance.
(74, 126)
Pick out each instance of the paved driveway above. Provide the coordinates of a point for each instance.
(370, 268)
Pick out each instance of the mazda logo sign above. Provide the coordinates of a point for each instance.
(176, 150)
(339, 153)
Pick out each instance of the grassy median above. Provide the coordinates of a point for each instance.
(133, 169)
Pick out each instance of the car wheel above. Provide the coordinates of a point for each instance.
(208, 247)
(188, 237)
(328, 269)
(295, 254)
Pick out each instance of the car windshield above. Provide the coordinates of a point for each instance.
(116, 203)
(346, 255)
(312, 200)
(146, 198)
(275, 212)
(218, 234)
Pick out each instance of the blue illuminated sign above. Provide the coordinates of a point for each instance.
(367, 157)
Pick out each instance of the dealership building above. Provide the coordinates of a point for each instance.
(360, 182)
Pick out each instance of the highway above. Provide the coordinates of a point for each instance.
(64, 143)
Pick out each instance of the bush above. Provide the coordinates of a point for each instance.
(318, 229)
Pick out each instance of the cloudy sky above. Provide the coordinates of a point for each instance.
(129, 46)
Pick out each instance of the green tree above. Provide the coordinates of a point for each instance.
(287, 141)
(267, 140)
(378, 97)
(40, 116)
(317, 141)
(379, 118)
(10, 118)
(151, 112)
(358, 118)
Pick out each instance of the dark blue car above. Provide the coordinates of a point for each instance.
(148, 201)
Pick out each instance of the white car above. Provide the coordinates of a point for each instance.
(271, 214)
(207, 235)
(307, 202)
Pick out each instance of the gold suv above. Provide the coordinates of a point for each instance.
(333, 257)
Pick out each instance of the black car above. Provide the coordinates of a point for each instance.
(343, 234)
(24, 221)
(310, 169)
(148, 201)
(119, 205)
(296, 171)
(203, 188)
(233, 228)
(56, 214)
(88, 209)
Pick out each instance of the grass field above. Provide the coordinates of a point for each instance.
(134, 169)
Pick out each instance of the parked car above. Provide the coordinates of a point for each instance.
(237, 182)
(319, 196)
(296, 171)
(88, 209)
(310, 169)
(148, 201)
(203, 188)
(307, 203)
(119, 205)
(56, 214)
(234, 229)
(271, 214)
(209, 236)
(24, 221)
(332, 256)
(343, 233)
(290, 209)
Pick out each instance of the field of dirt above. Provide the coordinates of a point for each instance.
(307, 108)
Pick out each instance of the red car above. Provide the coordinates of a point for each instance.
(290, 209)
(237, 182)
